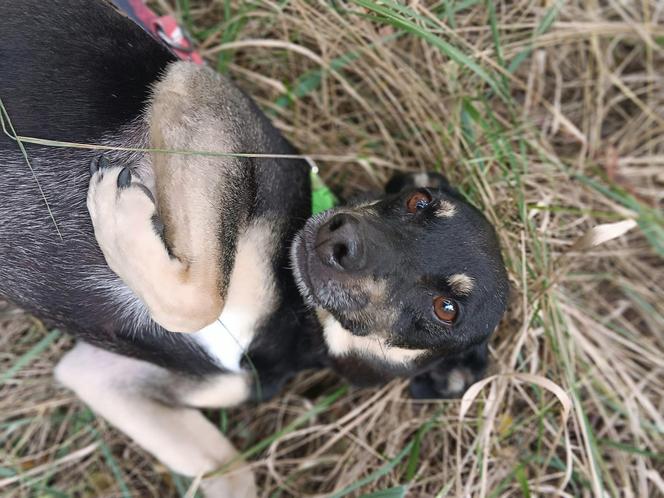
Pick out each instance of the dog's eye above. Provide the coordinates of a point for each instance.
(445, 309)
(417, 201)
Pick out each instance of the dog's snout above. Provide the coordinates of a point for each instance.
(339, 243)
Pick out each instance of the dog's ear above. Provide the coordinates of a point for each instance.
(451, 377)
(430, 180)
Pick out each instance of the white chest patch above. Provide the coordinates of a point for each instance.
(250, 297)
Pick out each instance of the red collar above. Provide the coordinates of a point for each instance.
(164, 28)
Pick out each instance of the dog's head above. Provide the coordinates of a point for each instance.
(402, 280)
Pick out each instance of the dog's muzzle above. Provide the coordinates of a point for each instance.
(330, 259)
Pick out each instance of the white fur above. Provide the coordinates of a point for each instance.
(446, 209)
(251, 297)
(129, 307)
(456, 381)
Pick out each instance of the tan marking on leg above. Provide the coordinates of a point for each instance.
(251, 297)
(117, 388)
(202, 201)
(122, 220)
(461, 283)
(222, 391)
(189, 189)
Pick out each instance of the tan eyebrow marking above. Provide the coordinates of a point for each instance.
(461, 283)
(446, 209)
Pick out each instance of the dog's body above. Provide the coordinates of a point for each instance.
(205, 243)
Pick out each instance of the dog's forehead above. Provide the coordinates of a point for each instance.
(449, 247)
(445, 211)
(444, 238)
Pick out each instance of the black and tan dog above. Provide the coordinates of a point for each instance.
(406, 283)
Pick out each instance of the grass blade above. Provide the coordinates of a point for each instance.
(399, 21)
(30, 355)
(5, 116)
(385, 469)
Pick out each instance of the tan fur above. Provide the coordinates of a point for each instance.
(189, 187)
(446, 209)
(119, 389)
(222, 391)
(123, 228)
(342, 342)
(461, 283)
(251, 297)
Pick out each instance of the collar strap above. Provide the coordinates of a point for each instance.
(164, 28)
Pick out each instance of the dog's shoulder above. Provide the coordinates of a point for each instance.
(74, 68)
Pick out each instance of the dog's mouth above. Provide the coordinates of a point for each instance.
(320, 284)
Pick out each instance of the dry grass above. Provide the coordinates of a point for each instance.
(571, 138)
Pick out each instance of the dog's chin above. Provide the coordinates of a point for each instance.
(319, 285)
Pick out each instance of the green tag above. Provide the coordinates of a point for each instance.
(322, 197)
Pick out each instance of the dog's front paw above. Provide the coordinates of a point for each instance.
(236, 484)
(131, 237)
(123, 212)
(451, 377)
(442, 383)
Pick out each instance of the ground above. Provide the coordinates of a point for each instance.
(549, 116)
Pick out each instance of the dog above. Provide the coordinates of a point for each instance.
(196, 280)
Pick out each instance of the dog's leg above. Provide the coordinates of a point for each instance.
(202, 202)
(153, 406)
(180, 297)
(451, 377)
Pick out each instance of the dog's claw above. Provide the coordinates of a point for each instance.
(99, 162)
(124, 178)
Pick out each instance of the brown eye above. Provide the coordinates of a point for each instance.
(418, 200)
(445, 309)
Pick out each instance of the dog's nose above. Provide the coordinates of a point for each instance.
(339, 243)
